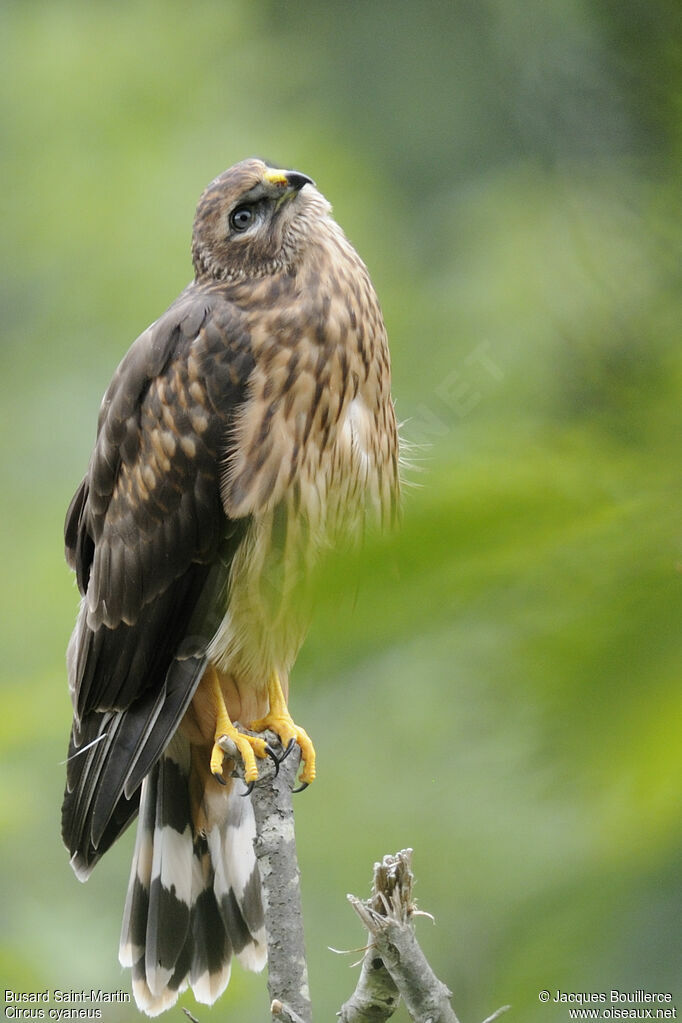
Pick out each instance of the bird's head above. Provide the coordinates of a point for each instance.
(254, 220)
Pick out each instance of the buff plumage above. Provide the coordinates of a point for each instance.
(246, 430)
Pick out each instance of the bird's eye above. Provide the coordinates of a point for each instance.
(241, 218)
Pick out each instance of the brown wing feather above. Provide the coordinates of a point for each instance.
(151, 546)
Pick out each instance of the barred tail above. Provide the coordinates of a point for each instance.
(193, 900)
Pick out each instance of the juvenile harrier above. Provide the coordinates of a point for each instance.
(246, 429)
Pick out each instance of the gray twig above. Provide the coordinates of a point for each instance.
(275, 846)
(375, 998)
(497, 1013)
(387, 916)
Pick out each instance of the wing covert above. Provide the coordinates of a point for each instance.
(151, 546)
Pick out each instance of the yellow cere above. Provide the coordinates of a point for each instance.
(276, 177)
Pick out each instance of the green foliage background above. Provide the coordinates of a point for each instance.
(503, 691)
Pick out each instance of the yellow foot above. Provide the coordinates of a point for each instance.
(249, 746)
(279, 720)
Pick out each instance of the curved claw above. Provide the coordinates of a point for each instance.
(218, 777)
(287, 751)
(275, 759)
(304, 785)
(249, 789)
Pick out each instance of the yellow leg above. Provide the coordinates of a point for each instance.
(280, 721)
(249, 746)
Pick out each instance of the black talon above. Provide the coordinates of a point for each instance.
(275, 759)
(287, 751)
(302, 787)
(219, 777)
(249, 789)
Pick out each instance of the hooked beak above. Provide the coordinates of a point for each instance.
(286, 183)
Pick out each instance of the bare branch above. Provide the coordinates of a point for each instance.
(387, 916)
(375, 998)
(393, 966)
(275, 846)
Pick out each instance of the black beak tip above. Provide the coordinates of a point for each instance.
(297, 180)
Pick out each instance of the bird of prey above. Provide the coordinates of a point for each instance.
(246, 430)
